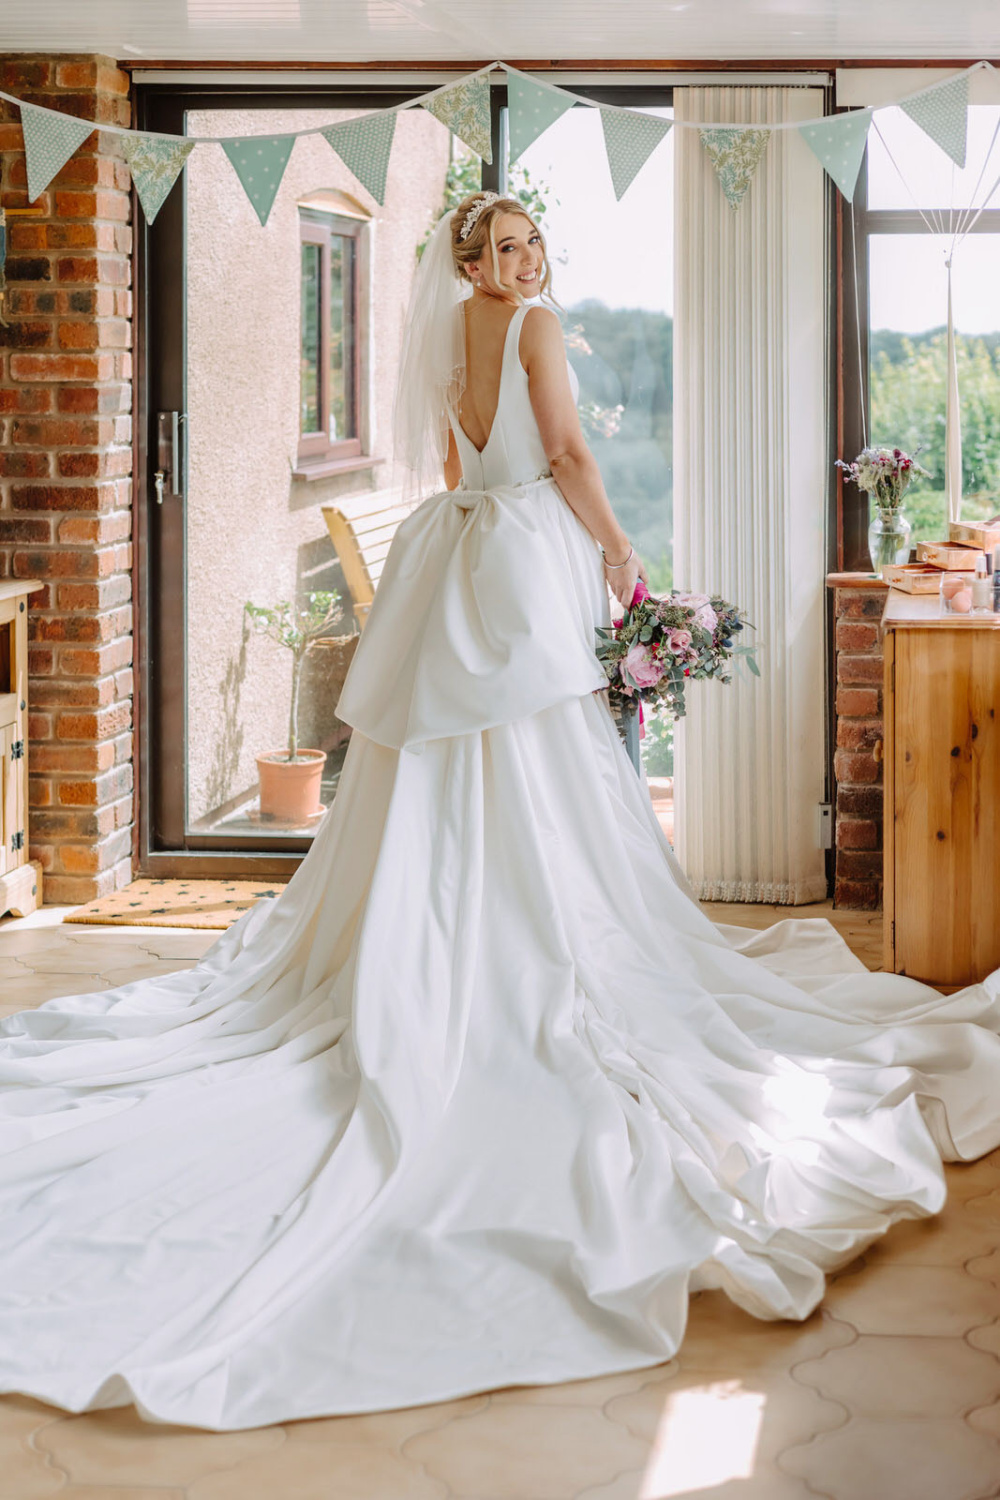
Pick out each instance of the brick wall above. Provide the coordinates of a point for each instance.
(65, 473)
(857, 763)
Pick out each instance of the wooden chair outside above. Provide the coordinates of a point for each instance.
(361, 528)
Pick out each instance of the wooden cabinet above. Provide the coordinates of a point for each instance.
(20, 880)
(942, 792)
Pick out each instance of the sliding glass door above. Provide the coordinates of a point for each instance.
(268, 362)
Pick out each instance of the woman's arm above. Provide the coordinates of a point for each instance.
(573, 465)
(452, 463)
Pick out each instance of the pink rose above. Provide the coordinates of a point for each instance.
(679, 641)
(642, 666)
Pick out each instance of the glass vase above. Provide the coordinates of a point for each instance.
(888, 539)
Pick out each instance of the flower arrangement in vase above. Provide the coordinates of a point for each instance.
(885, 474)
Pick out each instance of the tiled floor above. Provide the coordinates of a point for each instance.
(891, 1391)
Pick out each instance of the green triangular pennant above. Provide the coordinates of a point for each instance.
(532, 108)
(259, 162)
(735, 155)
(465, 109)
(630, 140)
(50, 139)
(364, 145)
(839, 143)
(155, 165)
(943, 114)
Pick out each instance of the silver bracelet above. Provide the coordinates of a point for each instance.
(612, 566)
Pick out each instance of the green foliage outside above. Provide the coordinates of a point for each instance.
(908, 386)
(465, 175)
(297, 627)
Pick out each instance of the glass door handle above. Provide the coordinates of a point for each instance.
(169, 474)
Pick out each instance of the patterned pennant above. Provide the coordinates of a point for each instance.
(259, 162)
(532, 107)
(465, 109)
(735, 155)
(630, 140)
(49, 141)
(364, 146)
(943, 114)
(839, 142)
(155, 165)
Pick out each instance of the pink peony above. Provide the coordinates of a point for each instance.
(642, 666)
(704, 614)
(678, 641)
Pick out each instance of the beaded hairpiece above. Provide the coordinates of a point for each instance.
(483, 201)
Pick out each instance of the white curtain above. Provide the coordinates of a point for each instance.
(751, 479)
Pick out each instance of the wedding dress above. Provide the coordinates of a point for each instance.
(483, 1095)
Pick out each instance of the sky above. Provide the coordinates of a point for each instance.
(622, 252)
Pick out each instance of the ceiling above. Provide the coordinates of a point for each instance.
(480, 30)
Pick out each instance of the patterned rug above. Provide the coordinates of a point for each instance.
(177, 903)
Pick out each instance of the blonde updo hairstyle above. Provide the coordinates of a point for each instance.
(481, 241)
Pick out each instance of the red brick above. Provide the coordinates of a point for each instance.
(14, 465)
(41, 660)
(53, 564)
(28, 268)
(858, 734)
(95, 662)
(59, 367)
(76, 75)
(39, 791)
(855, 767)
(848, 895)
(857, 833)
(858, 703)
(856, 635)
(860, 802)
(101, 725)
(27, 76)
(106, 463)
(25, 529)
(97, 529)
(104, 594)
(100, 757)
(859, 670)
(87, 399)
(89, 693)
(97, 498)
(84, 859)
(29, 400)
(859, 864)
(75, 890)
(39, 726)
(27, 236)
(62, 432)
(26, 335)
(124, 683)
(860, 604)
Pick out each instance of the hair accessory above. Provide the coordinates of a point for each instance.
(483, 201)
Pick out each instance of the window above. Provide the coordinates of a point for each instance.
(330, 385)
(910, 210)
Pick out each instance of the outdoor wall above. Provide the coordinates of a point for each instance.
(65, 467)
(255, 532)
(858, 604)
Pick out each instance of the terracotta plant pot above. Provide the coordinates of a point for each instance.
(289, 789)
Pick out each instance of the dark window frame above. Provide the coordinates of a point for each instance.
(320, 227)
(858, 223)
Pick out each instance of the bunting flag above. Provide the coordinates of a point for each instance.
(364, 146)
(50, 139)
(532, 108)
(943, 115)
(839, 143)
(735, 155)
(630, 140)
(465, 109)
(259, 162)
(155, 165)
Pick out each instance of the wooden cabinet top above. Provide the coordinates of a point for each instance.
(923, 611)
(11, 587)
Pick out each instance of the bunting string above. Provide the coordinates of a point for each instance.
(364, 143)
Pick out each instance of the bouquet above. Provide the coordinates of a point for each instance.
(883, 473)
(650, 655)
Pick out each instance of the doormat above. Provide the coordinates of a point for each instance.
(177, 903)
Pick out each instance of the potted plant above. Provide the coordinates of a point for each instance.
(290, 778)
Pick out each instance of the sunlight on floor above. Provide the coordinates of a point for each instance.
(706, 1437)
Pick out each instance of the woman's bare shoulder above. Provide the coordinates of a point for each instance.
(541, 334)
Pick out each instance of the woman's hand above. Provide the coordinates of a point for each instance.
(623, 580)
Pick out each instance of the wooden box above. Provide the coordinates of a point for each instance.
(913, 578)
(20, 879)
(954, 558)
(976, 534)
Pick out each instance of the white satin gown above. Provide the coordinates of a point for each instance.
(483, 1095)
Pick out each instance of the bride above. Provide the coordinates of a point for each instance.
(484, 1095)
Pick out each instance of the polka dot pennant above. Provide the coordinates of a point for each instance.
(155, 165)
(839, 142)
(259, 162)
(533, 107)
(735, 155)
(364, 146)
(465, 109)
(50, 138)
(629, 140)
(943, 115)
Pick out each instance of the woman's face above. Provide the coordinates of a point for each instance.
(520, 258)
